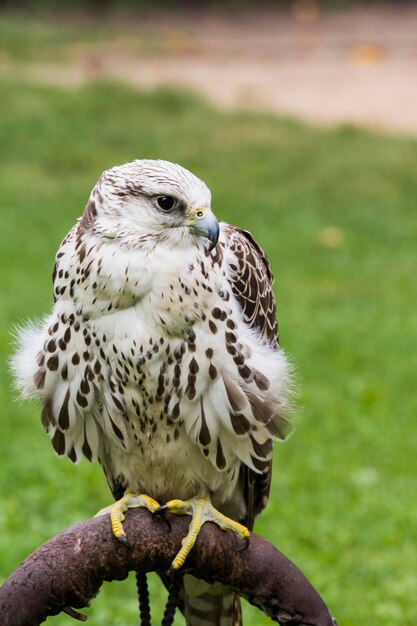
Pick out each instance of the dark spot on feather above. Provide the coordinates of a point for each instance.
(212, 371)
(236, 397)
(262, 450)
(220, 460)
(47, 417)
(231, 337)
(259, 465)
(194, 366)
(245, 371)
(86, 450)
(75, 358)
(53, 363)
(179, 351)
(64, 372)
(39, 379)
(261, 380)
(209, 353)
(118, 404)
(51, 347)
(54, 272)
(212, 327)
(81, 252)
(238, 359)
(82, 401)
(90, 213)
(240, 423)
(278, 427)
(58, 442)
(262, 410)
(190, 391)
(117, 430)
(62, 345)
(204, 434)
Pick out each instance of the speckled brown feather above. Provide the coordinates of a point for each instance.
(252, 287)
(252, 283)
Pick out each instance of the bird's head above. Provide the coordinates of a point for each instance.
(153, 201)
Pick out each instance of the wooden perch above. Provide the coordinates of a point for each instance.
(69, 569)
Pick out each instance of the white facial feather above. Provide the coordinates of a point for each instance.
(125, 201)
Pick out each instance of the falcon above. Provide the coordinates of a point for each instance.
(160, 360)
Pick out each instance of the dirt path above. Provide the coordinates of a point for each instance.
(358, 66)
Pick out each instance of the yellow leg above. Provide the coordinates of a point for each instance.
(117, 510)
(202, 511)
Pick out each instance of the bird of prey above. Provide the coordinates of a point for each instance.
(160, 360)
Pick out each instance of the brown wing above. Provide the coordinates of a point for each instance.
(251, 284)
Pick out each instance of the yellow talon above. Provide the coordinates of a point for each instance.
(117, 510)
(202, 511)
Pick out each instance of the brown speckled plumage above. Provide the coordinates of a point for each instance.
(160, 357)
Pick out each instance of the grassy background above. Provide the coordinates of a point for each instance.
(336, 213)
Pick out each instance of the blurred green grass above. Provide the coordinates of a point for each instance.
(59, 36)
(336, 212)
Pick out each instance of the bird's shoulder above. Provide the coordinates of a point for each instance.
(251, 279)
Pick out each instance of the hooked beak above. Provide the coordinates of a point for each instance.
(207, 227)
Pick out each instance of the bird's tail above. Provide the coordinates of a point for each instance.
(210, 605)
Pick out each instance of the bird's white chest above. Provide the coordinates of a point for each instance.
(158, 351)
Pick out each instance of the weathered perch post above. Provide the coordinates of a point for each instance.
(69, 569)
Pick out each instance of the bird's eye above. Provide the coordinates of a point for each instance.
(166, 203)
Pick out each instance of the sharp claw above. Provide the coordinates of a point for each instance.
(171, 571)
(161, 513)
(160, 510)
(246, 542)
(174, 574)
(124, 541)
